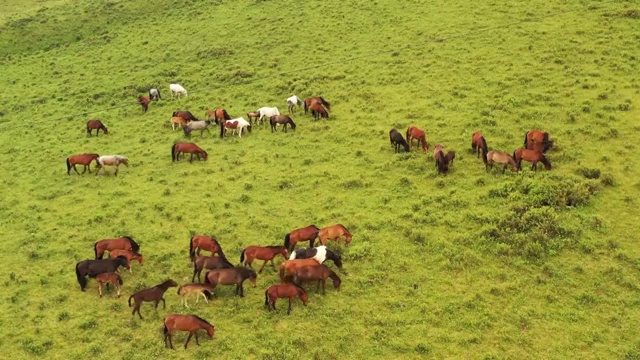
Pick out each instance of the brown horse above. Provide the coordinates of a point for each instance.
(288, 268)
(176, 120)
(318, 111)
(129, 254)
(190, 323)
(397, 140)
(478, 145)
(253, 116)
(82, 159)
(290, 291)
(302, 234)
(266, 253)
(334, 232)
(201, 262)
(450, 156)
(532, 156)
(198, 289)
(97, 125)
(154, 294)
(313, 100)
(500, 157)
(202, 242)
(187, 115)
(281, 119)
(441, 160)
(144, 102)
(235, 276)
(316, 272)
(537, 140)
(413, 132)
(184, 147)
(109, 278)
(123, 243)
(219, 114)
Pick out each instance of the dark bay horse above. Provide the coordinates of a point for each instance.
(289, 291)
(319, 254)
(93, 268)
(185, 147)
(201, 262)
(532, 156)
(397, 140)
(334, 232)
(441, 160)
(187, 115)
(109, 278)
(287, 269)
(190, 323)
(318, 111)
(317, 99)
(82, 159)
(281, 119)
(537, 140)
(265, 253)
(235, 276)
(155, 294)
(302, 234)
(96, 125)
(144, 102)
(318, 273)
(129, 254)
(123, 243)
(500, 157)
(478, 145)
(202, 242)
(413, 132)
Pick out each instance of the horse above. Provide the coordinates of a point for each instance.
(292, 102)
(266, 112)
(201, 262)
(500, 157)
(253, 116)
(155, 294)
(532, 156)
(218, 115)
(397, 140)
(123, 243)
(317, 272)
(144, 102)
(82, 159)
(290, 291)
(266, 253)
(479, 144)
(109, 278)
(286, 269)
(97, 125)
(281, 119)
(441, 160)
(177, 90)
(537, 140)
(202, 242)
(319, 254)
(238, 124)
(93, 268)
(187, 115)
(154, 94)
(111, 160)
(302, 234)
(317, 111)
(235, 276)
(190, 323)
(413, 132)
(129, 254)
(334, 232)
(176, 120)
(199, 289)
(196, 125)
(184, 147)
(317, 99)
(449, 157)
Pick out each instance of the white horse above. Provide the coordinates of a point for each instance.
(267, 112)
(237, 124)
(292, 102)
(154, 94)
(177, 90)
(112, 160)
(196, 125)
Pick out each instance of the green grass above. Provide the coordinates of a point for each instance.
(530, 265)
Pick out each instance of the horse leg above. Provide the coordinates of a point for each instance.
(290, 302)
(156, 303)
(187, 342)
(100, 288)
(324, 282)
(504, 168)
(137, 309)
(263, 264)
(191, 158)
(117, 167)
(204, 297)
(164, 304)
(168, 336)
(197, 343)
(117, 290)
(534, 166)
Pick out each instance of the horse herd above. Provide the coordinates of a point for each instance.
(536, 144)
(299, 266)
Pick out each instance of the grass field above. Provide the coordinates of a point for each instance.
(522, 265)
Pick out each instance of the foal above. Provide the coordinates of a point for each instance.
(109, 278)
(199, 289)
(129, 254)
(154, 294)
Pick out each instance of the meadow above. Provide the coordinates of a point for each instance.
(474, 264)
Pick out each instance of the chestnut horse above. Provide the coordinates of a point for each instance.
(334, 232)
(397, 140)
(318, 111)
(201, 262)
(537, 140)
(123, 243)
(414, 132)
(312, 100)
(155, 294)
(109, 278)
(253, 116)
(129, 254)
(176, 120)
(281, 119)
(191, 148)
(450, 156)
(235, 276)
(144, 102)
(187, 115)
(82, 159)
(202, 242)
(500, 157)
(302, 234)
(441, 160)
(287, 268)
(318, 273)
(97, 125)
(479, 144)
(290, 291)
(266, 253)
(190, 323)
(532, 156)
(198, 289)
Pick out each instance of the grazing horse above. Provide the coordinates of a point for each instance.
(319, 254)
(287, 269)
(218, 114)
(144, 102)
(302, 234)
(97, 125)
(201, 262)
(129, 254)
(93, 268)
(397, 140)
(334, 232)
(190, 323)
(235, 276)
(154, 94)
(290, 291)
(479, 144)
(413, 132)
(317, 111)
(187, 115)
(253, 116)
(238, 124)
(198, 289)
(266, 112)
(109, 278)
(450, 156)
(532, 156)
(201, 242)
(266, 253)
(317, 272)
(82, 159)
(441, 160)
(196, 125)
(537, 140)
(176, 120)
(177, 90)
(317, 99)
(123, 243)
(500, 157)
(292, 102)
(155, 294)
(281, 119)
(191, 148)
(111, 160)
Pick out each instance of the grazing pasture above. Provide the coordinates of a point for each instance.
(464, 264)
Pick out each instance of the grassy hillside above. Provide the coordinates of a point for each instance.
(468, 265)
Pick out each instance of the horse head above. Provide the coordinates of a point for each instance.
(122, 261)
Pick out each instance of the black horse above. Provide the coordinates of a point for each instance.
(93, 268)
(397, 140)
(306, 253)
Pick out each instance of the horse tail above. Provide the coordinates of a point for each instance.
(242, 256)
(68, 165)
(266, 297)
(226, 114)
(525, 139)
(192, 253)
(81, 279)
(130, 297)
(484, 150)
(165, 330)
(133, 243)
(287, 241)
(408, 133)
(173, 152)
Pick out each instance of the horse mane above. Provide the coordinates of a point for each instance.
(134, 245)
(203, 320)
(164, 283)
(345, 229)
(275, 247)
